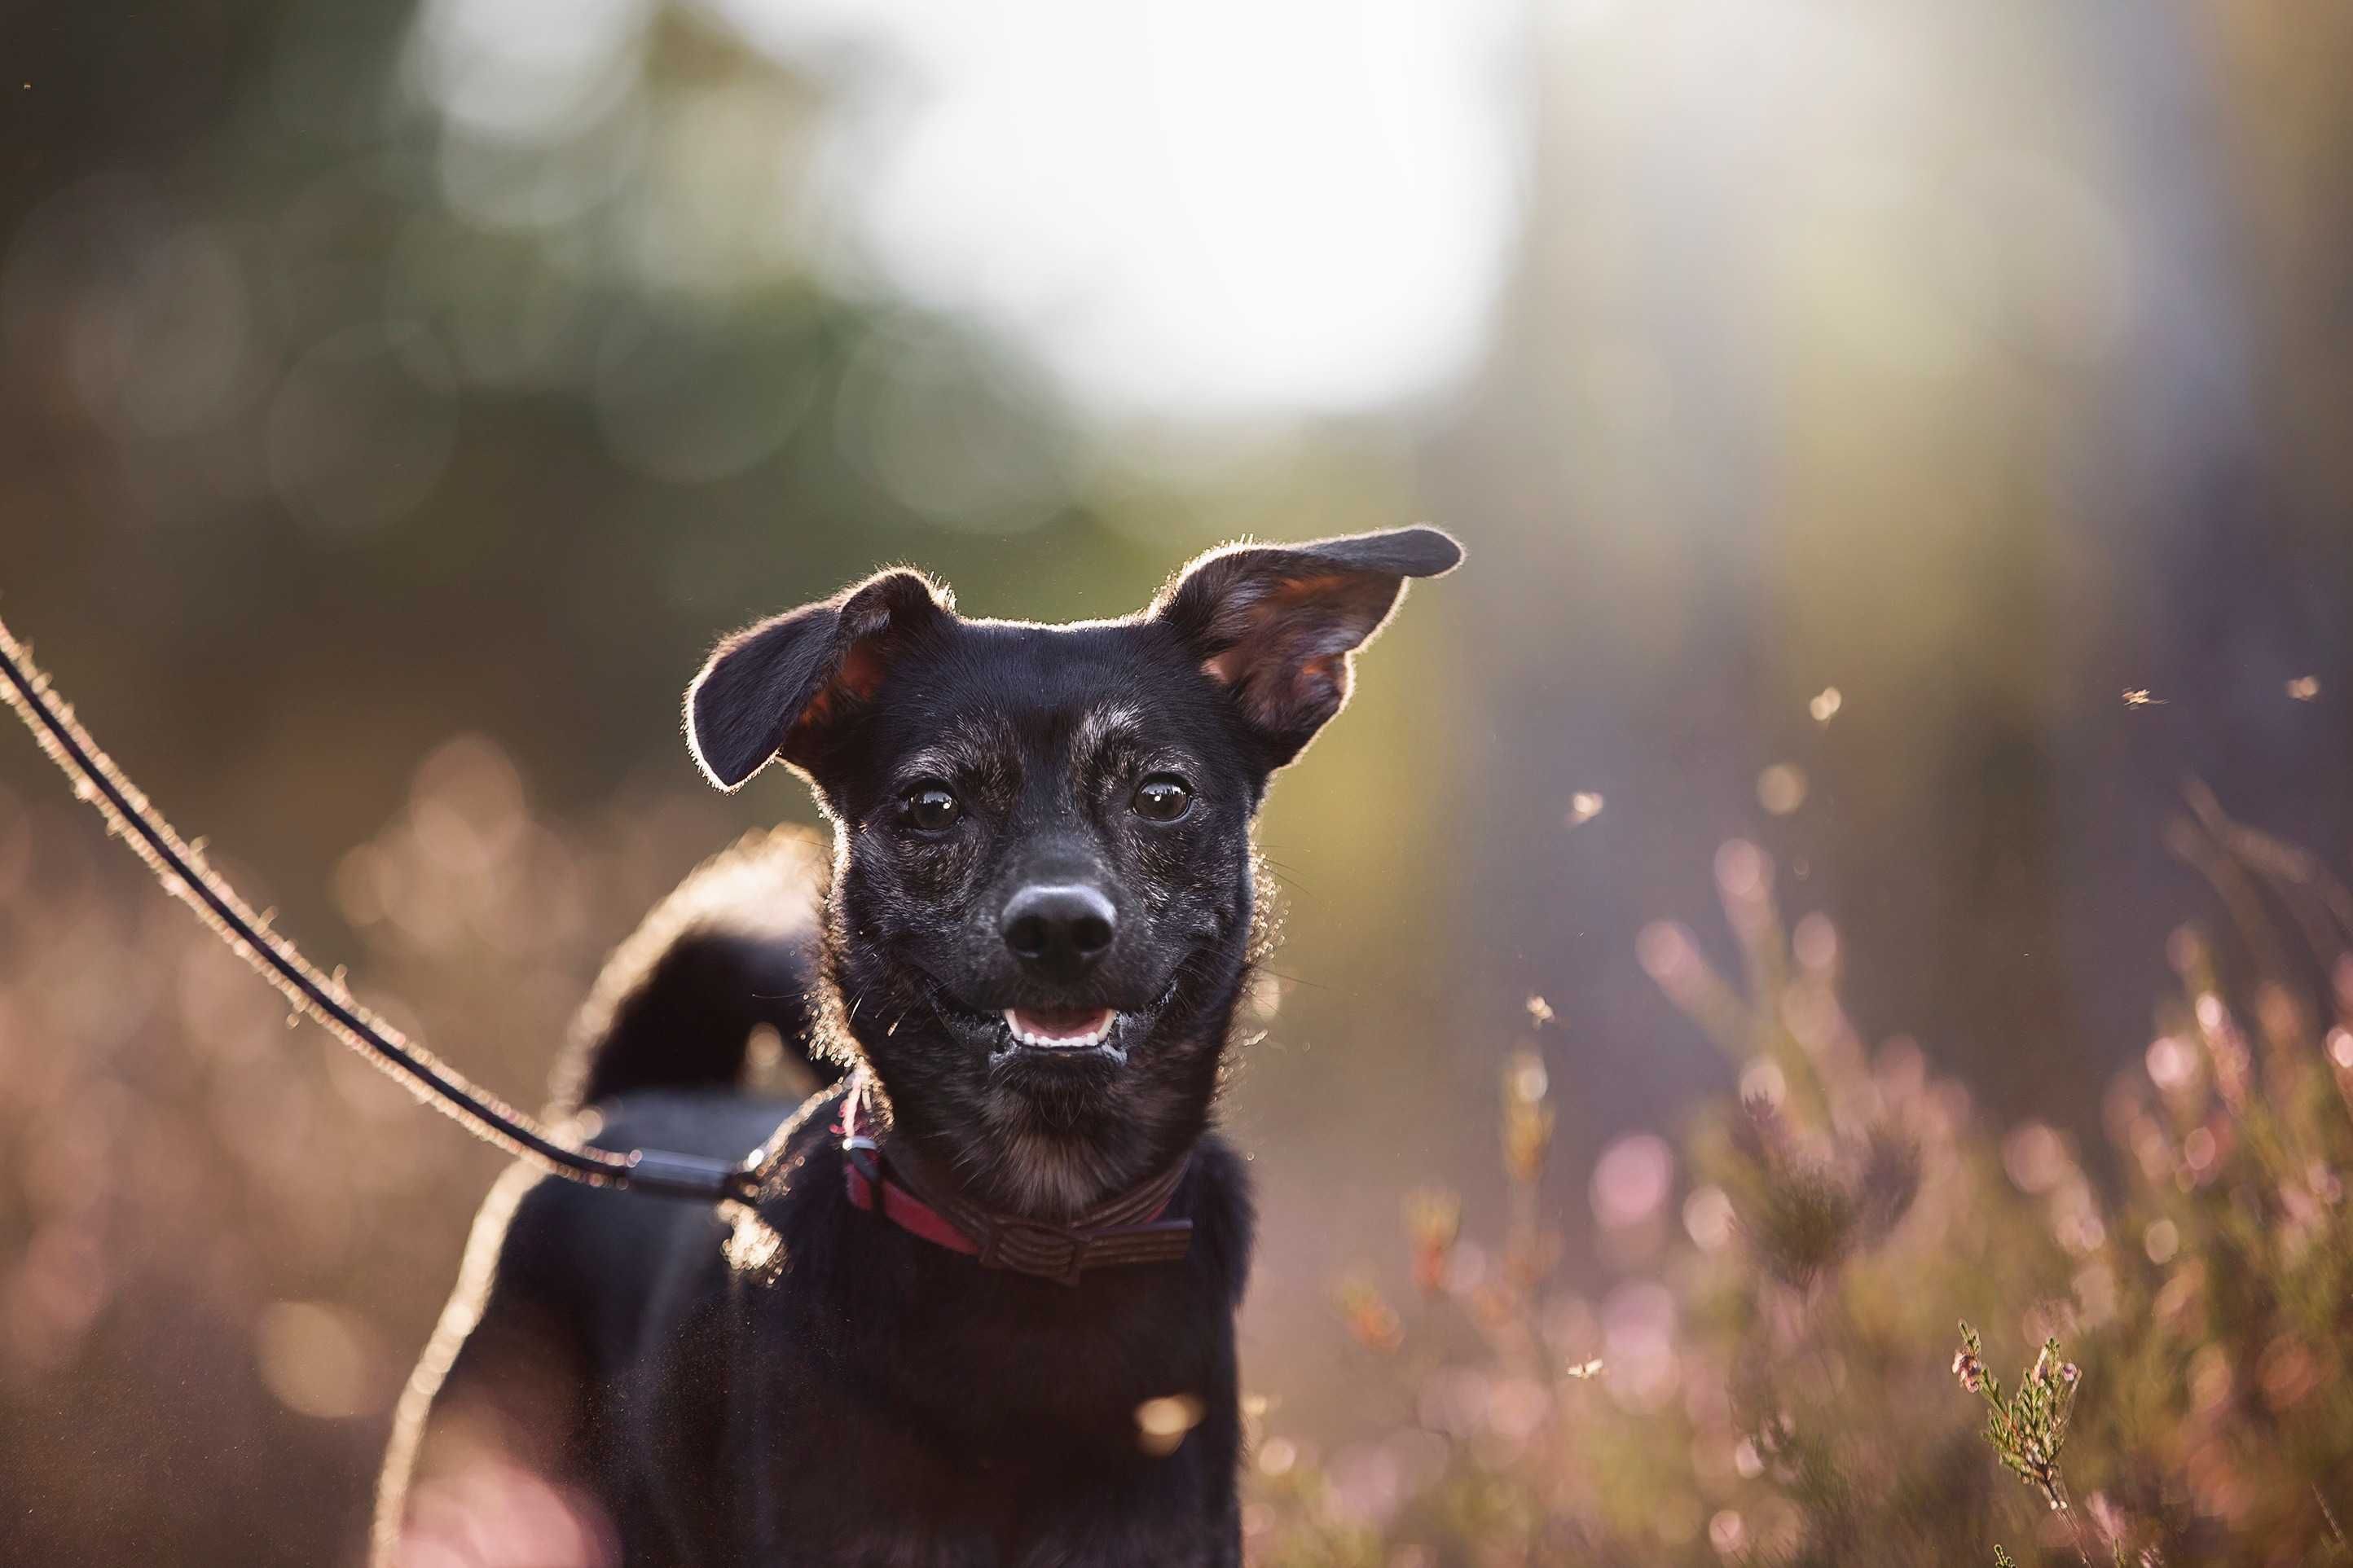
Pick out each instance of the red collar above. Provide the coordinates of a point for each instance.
(1122, 1230)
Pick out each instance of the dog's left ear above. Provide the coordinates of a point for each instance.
(1278, 625)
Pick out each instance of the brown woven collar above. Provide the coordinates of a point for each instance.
(1124, 1229)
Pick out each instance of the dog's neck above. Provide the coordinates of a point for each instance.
(1019, 1163)
(891, 1176)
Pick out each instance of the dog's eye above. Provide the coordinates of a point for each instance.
(1163, 798)
(932, 808)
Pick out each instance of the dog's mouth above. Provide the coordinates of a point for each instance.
(1073, 1034)
(1060, 1028)
(1042, 1031)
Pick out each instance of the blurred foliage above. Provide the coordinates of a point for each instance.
(1771, 1378)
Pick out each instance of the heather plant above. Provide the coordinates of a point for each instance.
(1768, 1375)
(2028, 1430)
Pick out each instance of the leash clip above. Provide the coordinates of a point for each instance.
(864, 1157)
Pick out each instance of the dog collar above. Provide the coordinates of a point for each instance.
(1120, 1231)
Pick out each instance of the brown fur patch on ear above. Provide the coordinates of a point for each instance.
(861, 671)
(859, 677)
(877, 622)
(1276, 625)
(1288, 662)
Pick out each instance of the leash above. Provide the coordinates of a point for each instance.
(182, 870)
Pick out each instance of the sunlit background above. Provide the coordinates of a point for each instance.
(1910, 438)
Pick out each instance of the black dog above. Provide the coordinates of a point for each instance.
(982, 1310)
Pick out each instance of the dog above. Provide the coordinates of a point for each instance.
(981, 1309)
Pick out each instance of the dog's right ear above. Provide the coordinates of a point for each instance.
(781, 688)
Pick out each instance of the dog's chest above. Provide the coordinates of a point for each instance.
(878, 1400)
(869, 1487)
(996, 1444)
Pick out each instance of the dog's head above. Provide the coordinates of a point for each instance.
(1042, 908)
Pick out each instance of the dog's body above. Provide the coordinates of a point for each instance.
(1004, 1335)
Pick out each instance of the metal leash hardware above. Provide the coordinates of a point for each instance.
(182, 870)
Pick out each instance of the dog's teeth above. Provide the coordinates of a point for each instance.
(1024, 1033)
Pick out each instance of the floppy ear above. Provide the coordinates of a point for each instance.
(776, 689)
(1277, 625)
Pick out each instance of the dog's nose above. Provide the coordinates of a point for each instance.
(1060, 931)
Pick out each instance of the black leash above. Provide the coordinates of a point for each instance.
(180, 868)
